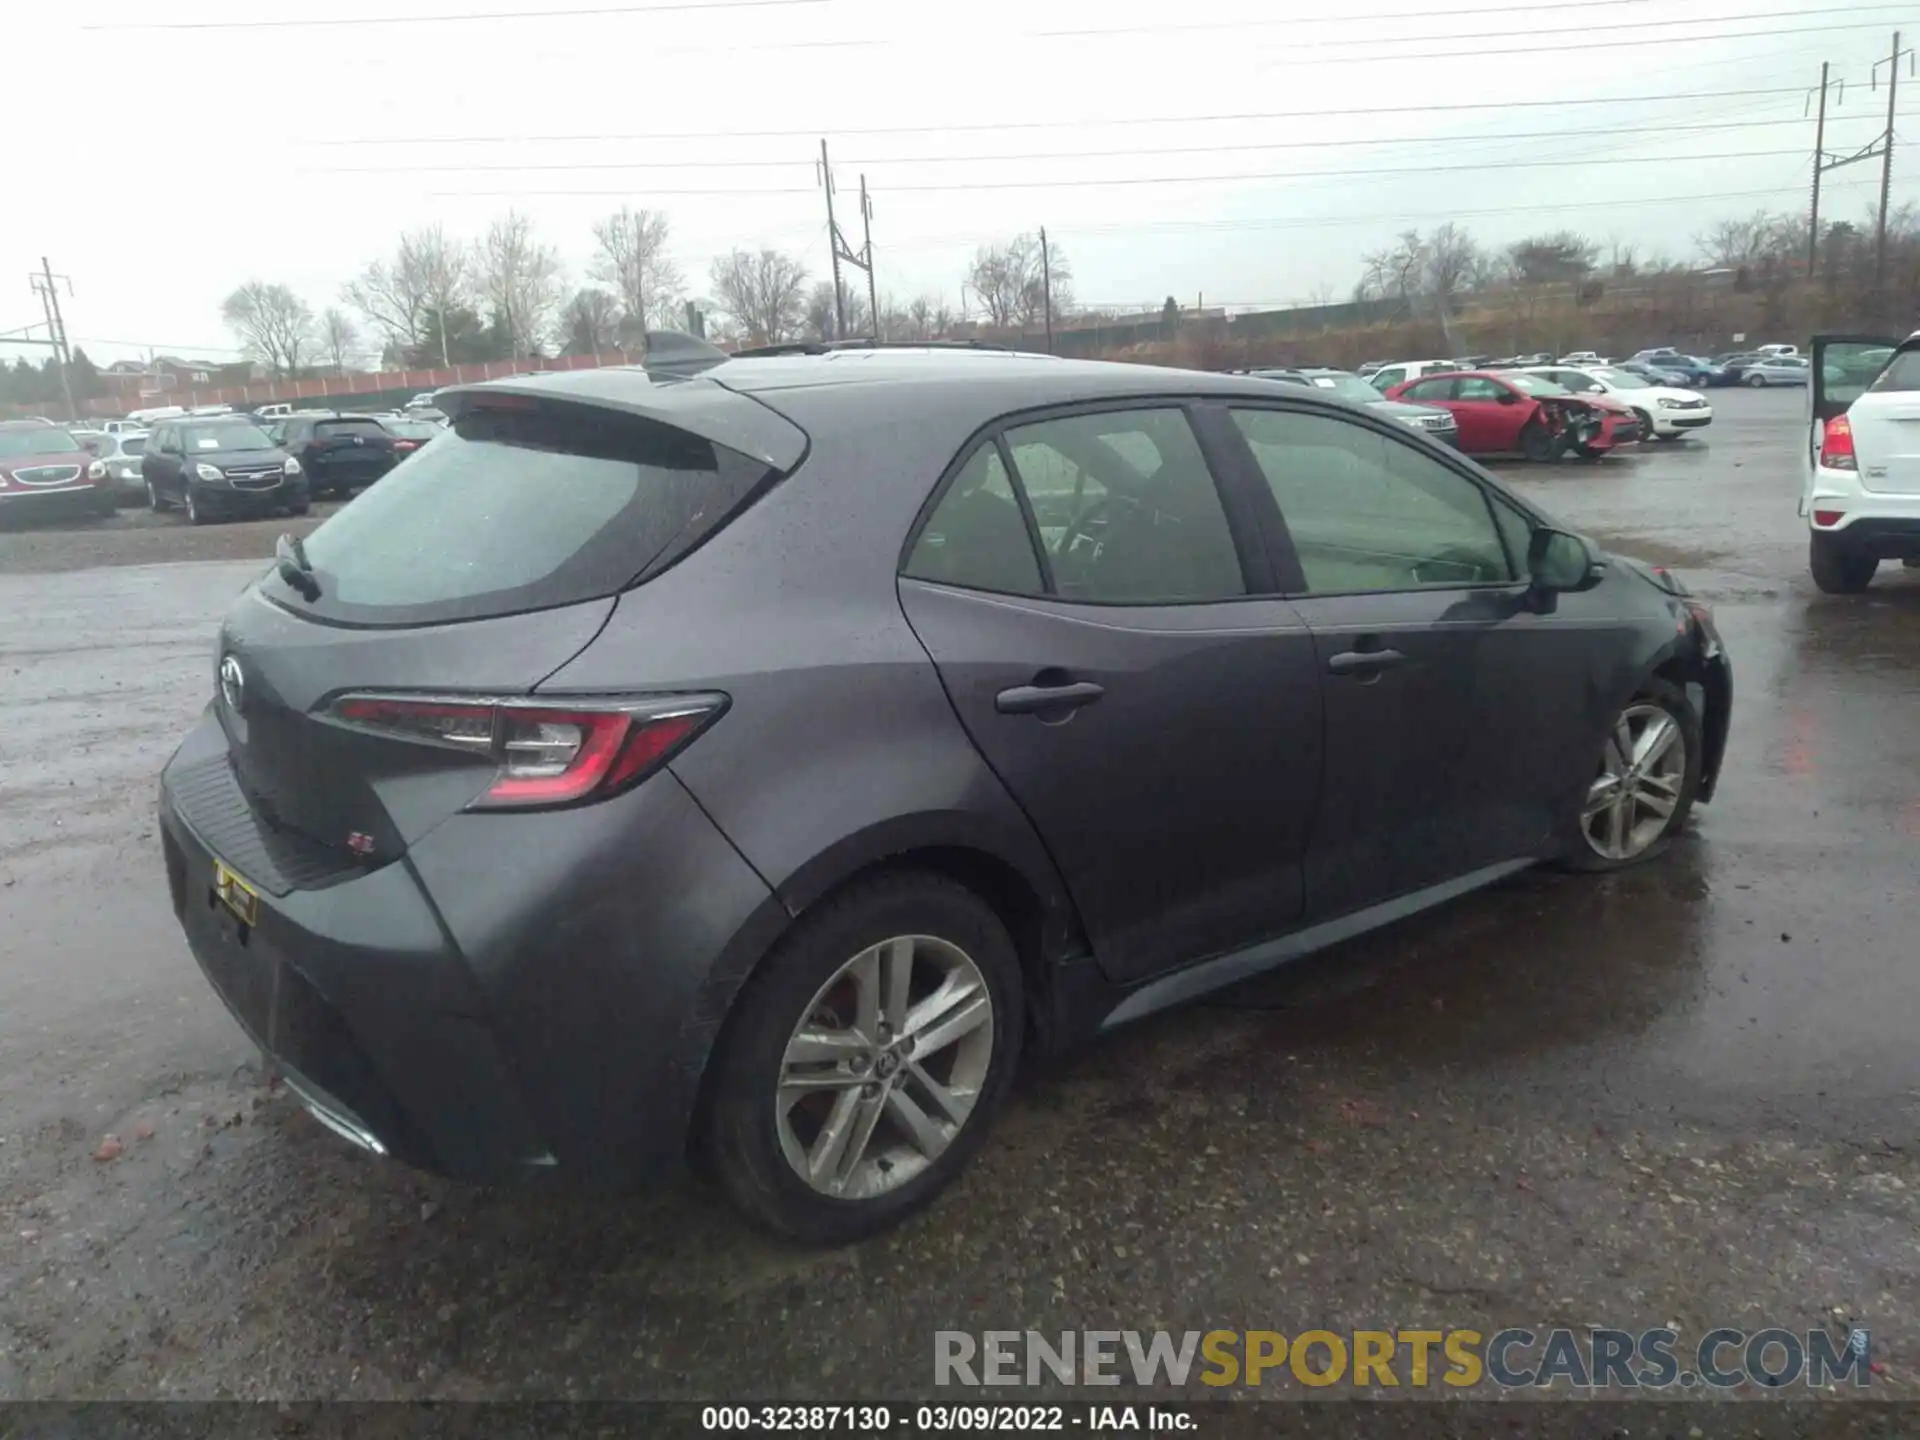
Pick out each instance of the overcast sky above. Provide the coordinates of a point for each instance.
(192, 145)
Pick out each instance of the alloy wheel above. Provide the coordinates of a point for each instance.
(1643, 772)
(883, 1070)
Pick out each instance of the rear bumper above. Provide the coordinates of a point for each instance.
(1882, 523)
(493, 1005)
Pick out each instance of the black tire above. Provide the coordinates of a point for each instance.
(1536, 444)
(300, 508)
(154, 501)
(196, 512)
(1646, 425)
(1837, 571)
(1577, 853)
(742, 1142)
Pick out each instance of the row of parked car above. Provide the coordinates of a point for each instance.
(208, 464)
(1538, 411)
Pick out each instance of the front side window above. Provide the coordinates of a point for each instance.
(1127, 509)
(1430, 390)
(1475, 387)
(1370, 513)
(976, 537)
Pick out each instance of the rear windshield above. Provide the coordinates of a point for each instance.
(512, 510)
(132, 444)
(349, 427)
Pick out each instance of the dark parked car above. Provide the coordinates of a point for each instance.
(757, 764)
(44, 469)
(338, 452)
(219, 467)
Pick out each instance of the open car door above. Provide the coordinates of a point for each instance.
(1841, 367)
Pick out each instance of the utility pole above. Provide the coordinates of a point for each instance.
(1819, 168)
(866, 258)
(1886, 166)
(833, 242)
(45, 284)
(1046, 285)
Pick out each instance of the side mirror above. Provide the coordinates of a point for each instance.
(1560, 562)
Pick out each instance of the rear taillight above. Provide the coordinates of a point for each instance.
(1836, 445)
(544, 754)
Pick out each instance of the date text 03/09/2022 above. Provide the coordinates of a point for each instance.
(934, 1419)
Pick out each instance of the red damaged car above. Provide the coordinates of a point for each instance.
(43, 469)
(1525, 415)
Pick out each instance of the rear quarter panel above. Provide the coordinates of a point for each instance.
(840, 747)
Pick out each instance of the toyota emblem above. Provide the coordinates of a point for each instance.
(233, 683)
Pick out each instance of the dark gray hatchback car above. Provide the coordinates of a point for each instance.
(749, 767)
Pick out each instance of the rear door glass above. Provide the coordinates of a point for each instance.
(522, 509)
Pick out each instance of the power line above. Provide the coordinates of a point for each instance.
(976, 127)
(1375, 17)
(1023, 156)
(1077, 182)
(338, 20)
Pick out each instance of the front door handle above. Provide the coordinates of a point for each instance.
(1032, 699)
(1364, 662)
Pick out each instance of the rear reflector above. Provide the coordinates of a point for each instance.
(1828, 517)
(544, 755)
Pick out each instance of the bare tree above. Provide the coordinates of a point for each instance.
(520, 277)
(1321, 295)
(631, 259)
(1013, 281)
(823, 316)
(590, 324)
(1564, 255)
(1452, 262)
(339, 336)
(1406, 266)
(428, 276)
(763, 290)
(927, 319)
(273, 324)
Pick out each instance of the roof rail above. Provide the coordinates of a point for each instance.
(822, 347)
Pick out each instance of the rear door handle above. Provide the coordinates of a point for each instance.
(1029, 699)
(1364, 662)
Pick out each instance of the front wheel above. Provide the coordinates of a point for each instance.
(1644, 785)
(1536, 444)
(1646, 425)
(866, 1058)
(154, 502)
(1837, 571)
(196, 512)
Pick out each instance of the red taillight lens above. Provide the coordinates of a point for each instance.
(546, 755)
(1836, 445)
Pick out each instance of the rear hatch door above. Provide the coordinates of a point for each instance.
(490, 560)
(1875, 383)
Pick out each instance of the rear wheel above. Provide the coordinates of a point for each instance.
(866, 1059)
(1644, 785)
(1838, 571)
(1758, 382)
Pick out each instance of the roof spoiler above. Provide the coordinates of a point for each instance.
(674, 353)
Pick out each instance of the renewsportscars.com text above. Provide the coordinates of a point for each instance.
(1594, 1358)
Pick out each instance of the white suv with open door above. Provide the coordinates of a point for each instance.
(1862, 498)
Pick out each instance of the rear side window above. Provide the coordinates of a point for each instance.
(1902, 372)
(977, 537)
(523, 509)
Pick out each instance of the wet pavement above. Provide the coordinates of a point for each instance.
(1687, 1094)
